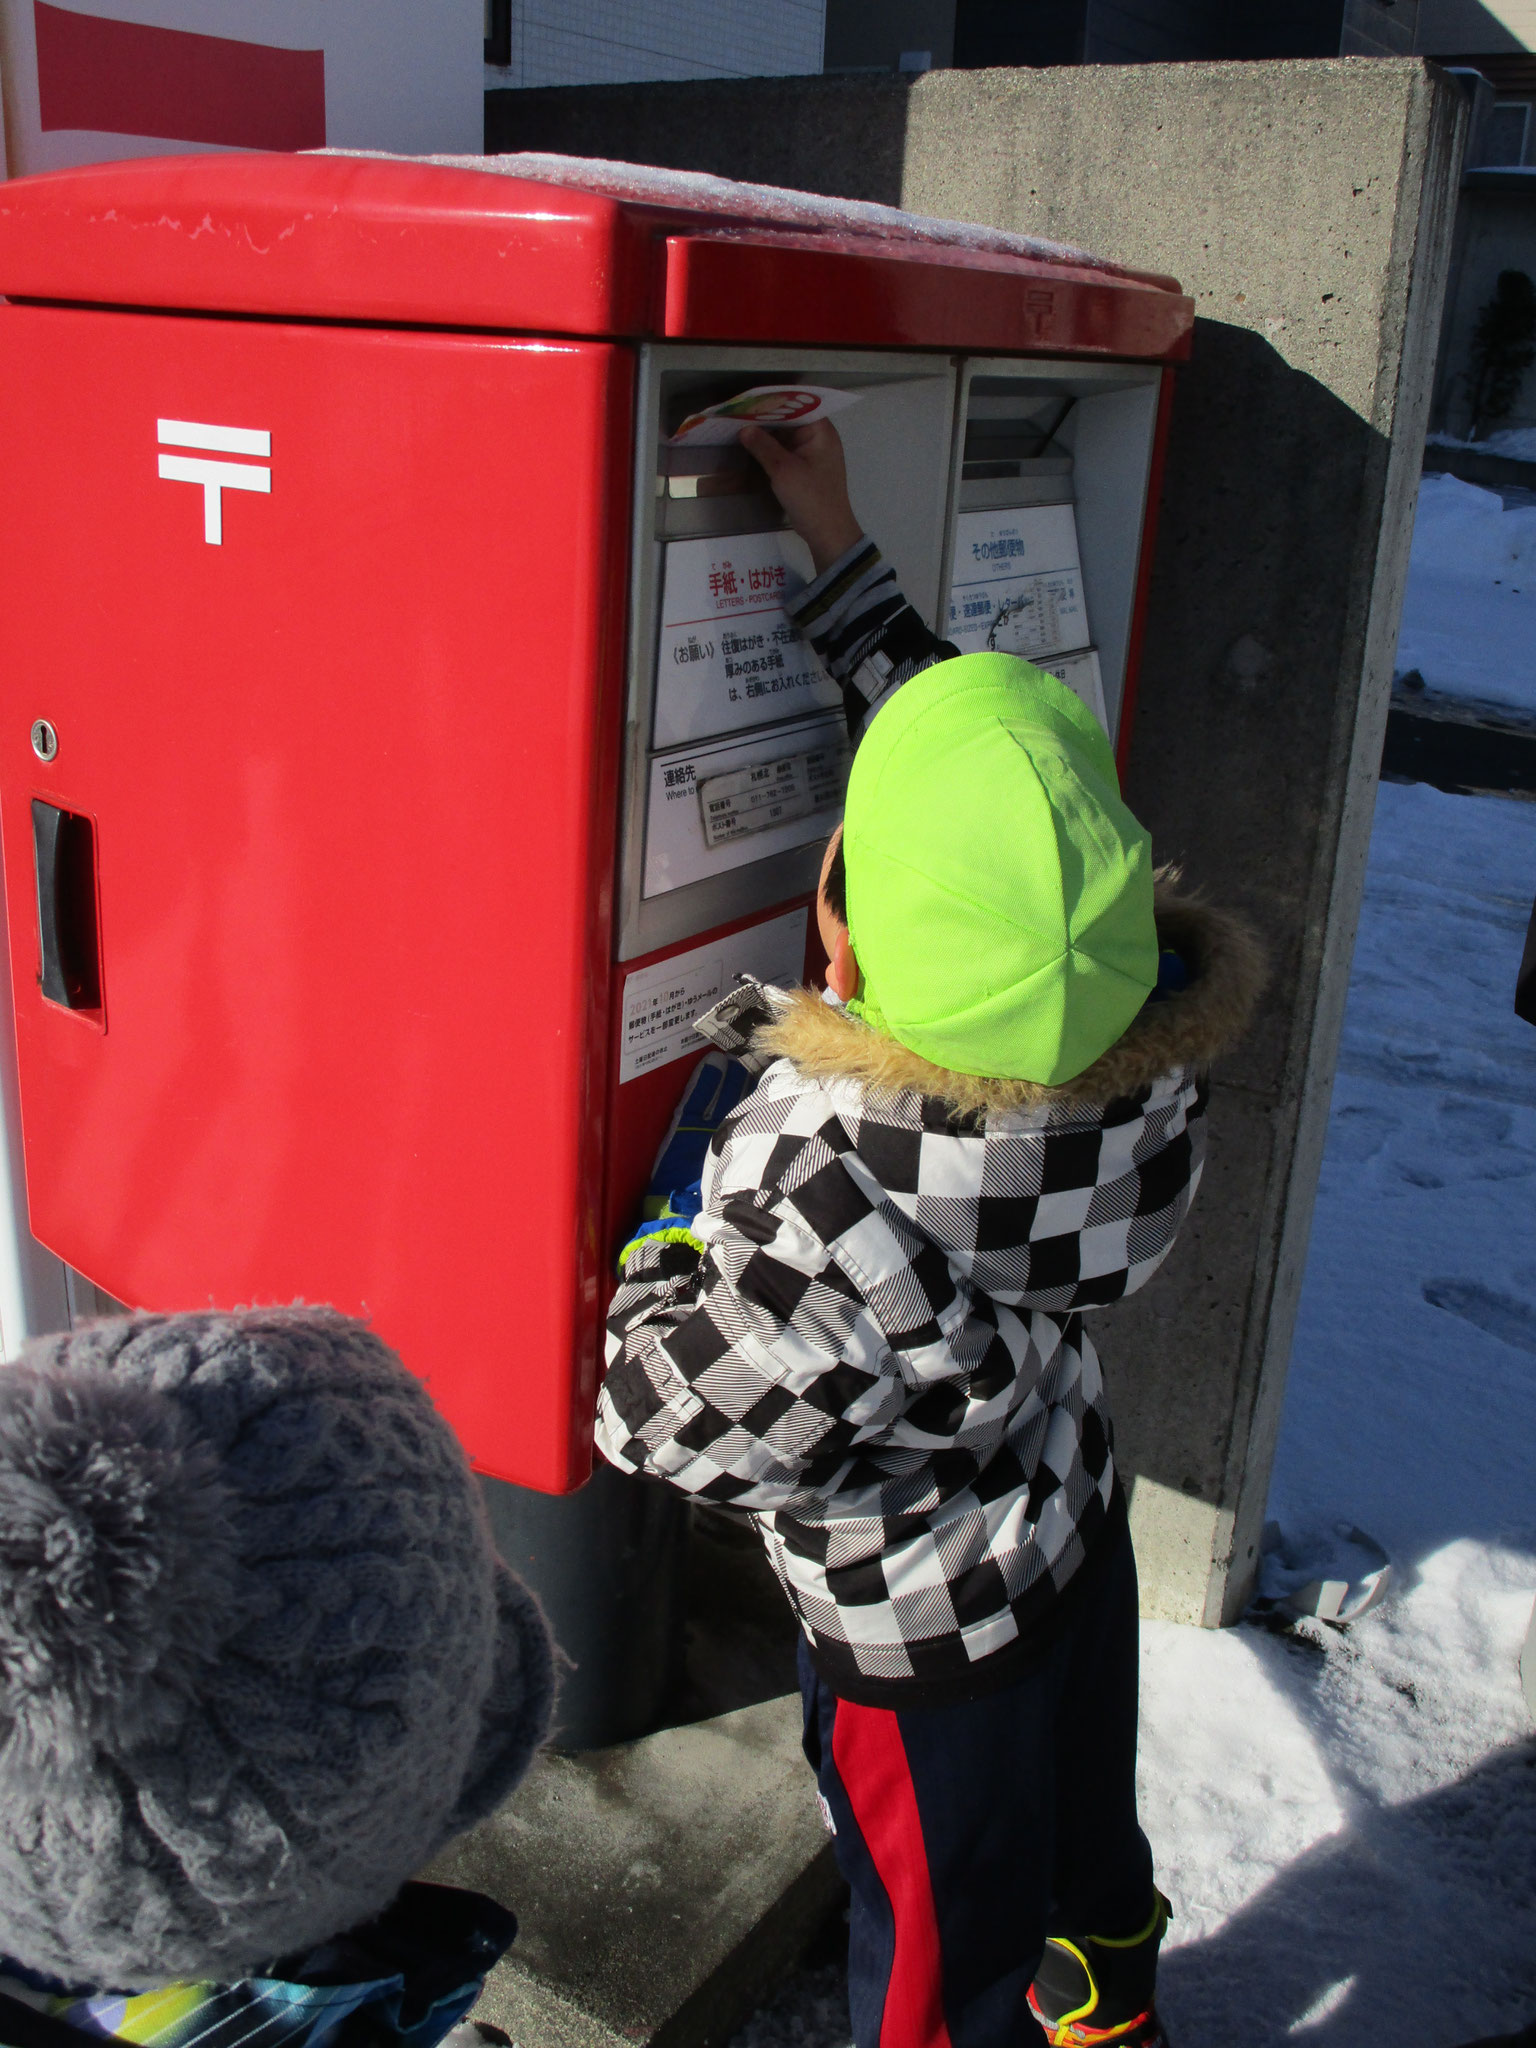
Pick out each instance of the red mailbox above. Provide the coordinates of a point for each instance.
(386, 696)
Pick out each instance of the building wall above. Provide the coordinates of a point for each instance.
(1508, 136)
(581, 42)
(1496, 230)
(1000, 32)
(875, 35)
(993, 32)
(1380, 28)
(1458, 28)
(1148, 31)
(611, 42)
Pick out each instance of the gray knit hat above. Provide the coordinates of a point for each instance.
(258, 1658)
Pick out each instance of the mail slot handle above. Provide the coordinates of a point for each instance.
(64, 848)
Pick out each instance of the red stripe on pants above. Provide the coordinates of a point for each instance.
(127, 78)
(871, 1760)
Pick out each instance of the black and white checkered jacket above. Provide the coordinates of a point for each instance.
(880, 1351)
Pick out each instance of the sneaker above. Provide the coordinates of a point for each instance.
(1145, 2031)
(476, 2034)
(1093, 1990)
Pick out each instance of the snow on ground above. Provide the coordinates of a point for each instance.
(1469, 618)
(1346, 1819)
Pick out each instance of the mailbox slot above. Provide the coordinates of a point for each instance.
(728, 707)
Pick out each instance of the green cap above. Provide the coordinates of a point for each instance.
(999, 891)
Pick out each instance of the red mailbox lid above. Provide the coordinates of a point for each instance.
(580, 249)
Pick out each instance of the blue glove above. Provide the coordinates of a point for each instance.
(716, 1085)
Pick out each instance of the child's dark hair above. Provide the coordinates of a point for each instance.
(835, 887)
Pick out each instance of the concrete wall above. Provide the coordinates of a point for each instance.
(1307, 207)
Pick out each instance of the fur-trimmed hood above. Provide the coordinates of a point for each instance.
(1227, 972)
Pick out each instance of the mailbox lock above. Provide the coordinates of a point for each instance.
(45, 741)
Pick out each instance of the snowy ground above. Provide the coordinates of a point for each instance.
(1517, 443)
(1346, 1820)
(1469, 618)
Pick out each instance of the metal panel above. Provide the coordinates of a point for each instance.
(329, 237)
(350, 772)
(852, 291)
(1110, 434)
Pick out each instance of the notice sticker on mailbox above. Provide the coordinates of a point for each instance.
(1016, 585)
(661, 1002)
(728, 657)
(719, 806)
(1083, 677)
(773, 793)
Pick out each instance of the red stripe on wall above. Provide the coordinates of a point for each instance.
(872, 1763)
(122, 78)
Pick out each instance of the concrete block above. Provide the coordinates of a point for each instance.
(664, 1885)
(661, 1886)
(1308, 209)
(1175, 1443)
(1180, 1540)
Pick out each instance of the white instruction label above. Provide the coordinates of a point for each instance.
(1016, 584)
(661, 1002)
(713, 808)
(774, 793)
(728, 657)
(1082, 676)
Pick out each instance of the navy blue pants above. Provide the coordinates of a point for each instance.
(968, 1833)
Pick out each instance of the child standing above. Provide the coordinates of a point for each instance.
(865, 1327)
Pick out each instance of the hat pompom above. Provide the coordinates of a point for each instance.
(117, 1570)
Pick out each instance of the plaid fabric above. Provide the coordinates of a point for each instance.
(880, 1351)
(866, 635)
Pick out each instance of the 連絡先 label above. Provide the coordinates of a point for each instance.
(772, 793)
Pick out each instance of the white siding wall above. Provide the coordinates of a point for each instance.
(1371, 30)
(608, 42)
(1475, 27)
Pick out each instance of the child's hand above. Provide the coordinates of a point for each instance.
(805, 467)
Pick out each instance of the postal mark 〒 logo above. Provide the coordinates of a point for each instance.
(215, 477)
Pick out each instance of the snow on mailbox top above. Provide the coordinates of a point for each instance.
(562, 245)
